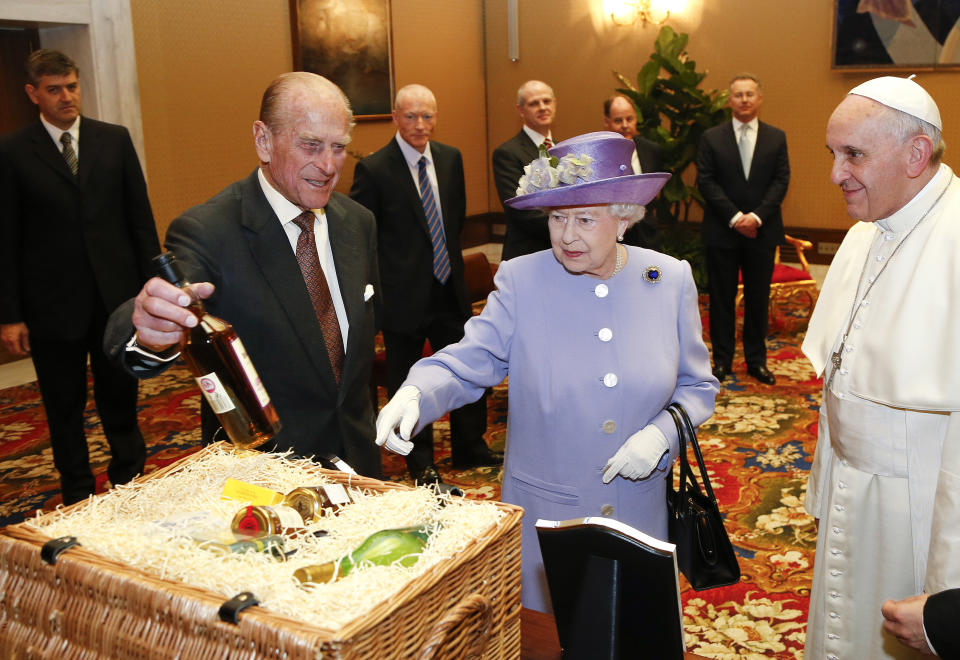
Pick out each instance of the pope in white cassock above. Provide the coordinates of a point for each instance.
(885, 480)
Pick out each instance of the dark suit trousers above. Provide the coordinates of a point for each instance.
(442, 325)
(62, 376)
(723, 268)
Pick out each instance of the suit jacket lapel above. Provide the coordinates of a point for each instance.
(532, 150)
(48, 152)
(91, 143)
(350, 260)
(442, 168)
(401, 173)
(271, 251)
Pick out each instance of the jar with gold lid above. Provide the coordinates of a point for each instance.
(264, 520)
(312, 502)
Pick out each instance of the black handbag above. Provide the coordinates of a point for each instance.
(704, 552)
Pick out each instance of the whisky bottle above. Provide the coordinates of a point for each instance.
(403, 546)
(223, 370)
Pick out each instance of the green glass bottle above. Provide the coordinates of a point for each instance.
(385, 547)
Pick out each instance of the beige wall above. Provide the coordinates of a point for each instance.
(574, 48)
(202, 71)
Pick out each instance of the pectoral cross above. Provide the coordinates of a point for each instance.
(836, 359)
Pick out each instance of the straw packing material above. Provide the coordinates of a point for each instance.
(136, 524)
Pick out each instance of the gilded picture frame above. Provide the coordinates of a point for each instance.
(349, 42)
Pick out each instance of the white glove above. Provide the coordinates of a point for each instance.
(402, 410)
(638, 456)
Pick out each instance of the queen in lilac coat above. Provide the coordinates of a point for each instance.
(595, 352)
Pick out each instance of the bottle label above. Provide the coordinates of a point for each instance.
(251, 373)
(336, 493)
(289, 517)
(215, 393)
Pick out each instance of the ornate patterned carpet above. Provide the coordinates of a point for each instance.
(759, 445)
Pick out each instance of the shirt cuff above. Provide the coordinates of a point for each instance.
(733, 220)
(155, 358)
(929, 643)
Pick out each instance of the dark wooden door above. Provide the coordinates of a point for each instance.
(16, 110)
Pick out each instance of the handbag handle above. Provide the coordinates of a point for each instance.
(685, 428)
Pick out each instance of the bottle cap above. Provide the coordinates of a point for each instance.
(169, 269)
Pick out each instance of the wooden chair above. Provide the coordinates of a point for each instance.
(790, 284)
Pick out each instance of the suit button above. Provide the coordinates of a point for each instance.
(606, 510)
(605, 334)
(610, 380)
(609, 426)
(601, 291)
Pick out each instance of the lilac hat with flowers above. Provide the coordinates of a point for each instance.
(593, 168)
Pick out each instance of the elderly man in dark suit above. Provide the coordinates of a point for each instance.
(76, 238)
(415, 188)
(250, 248)
(526, 230)
(743, 172)
(620, 116)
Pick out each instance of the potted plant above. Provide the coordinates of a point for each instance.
(674, 111)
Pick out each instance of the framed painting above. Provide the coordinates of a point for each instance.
(896, 34)
(347, 41)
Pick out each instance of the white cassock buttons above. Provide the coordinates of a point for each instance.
(610, 380)
(601, 291)
(605, 334)
(606, 510)
(609, 426)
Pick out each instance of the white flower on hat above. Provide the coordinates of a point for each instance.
(570, 168)
(547, 172)
(538, 175)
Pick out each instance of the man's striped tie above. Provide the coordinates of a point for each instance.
(69, 154)
(441, 260)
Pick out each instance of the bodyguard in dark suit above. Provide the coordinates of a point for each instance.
(619, 116)
(246, 249)
(526, 230)
(421, 265)
(76, 238)
(742, 172)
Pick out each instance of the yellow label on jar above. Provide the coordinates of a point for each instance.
(256, 495)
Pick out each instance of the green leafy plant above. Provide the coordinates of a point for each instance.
(673, 111)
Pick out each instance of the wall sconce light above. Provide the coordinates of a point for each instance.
(628, 12)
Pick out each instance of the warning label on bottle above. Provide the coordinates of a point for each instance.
(251, 373)
(215, 394)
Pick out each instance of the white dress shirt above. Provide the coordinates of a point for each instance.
(751, 137)
(537, 137)
(55, 134)
(412, 156)
(287, 212)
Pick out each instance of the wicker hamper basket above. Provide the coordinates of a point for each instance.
(84, 606)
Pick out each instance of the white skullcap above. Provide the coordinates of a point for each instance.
(901, 94)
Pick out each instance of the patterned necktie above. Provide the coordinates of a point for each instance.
(319, 291)
(441, 260)
(69, 154)
(746, 149)
(547, 142)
